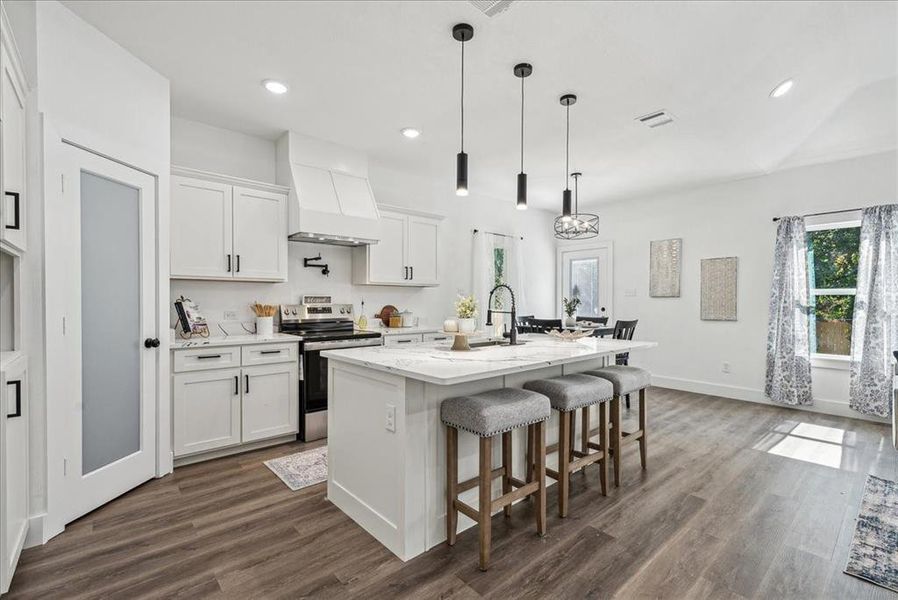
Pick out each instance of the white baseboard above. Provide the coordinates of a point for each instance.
(821, 405)
(35, 535)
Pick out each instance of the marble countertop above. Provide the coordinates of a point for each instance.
(405, 330)
(436, 363)
(231, 340)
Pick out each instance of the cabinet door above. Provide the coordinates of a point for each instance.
(402, 340)
(206, 407)
(260, 235)
(270, 401)
(14, 467)
(12, 121)
(354, 195)
(422, 250)
(386, 259)
(201, 232)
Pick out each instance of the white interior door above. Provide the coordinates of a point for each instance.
(586, 274)
(111, 308)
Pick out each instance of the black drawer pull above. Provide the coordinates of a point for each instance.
(204, 356)
(404, 341)
(238, 263)
(16, 222)
(236, 385)
(271, 351)
(229, 263)
(18, 385)
(247, 384)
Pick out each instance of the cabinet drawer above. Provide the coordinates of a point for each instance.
(264, 354)
(199, 359)
(438, 337)
(402, 340)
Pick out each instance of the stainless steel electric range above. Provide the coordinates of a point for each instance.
(320, 325)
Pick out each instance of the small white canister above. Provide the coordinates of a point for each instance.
(265, 326)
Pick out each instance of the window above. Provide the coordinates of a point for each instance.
(498, 275)
(833, 252)
(584, 278)
(584, 272)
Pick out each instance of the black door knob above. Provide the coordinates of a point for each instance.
(151, 343)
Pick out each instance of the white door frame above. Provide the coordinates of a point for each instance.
(561, 249)
(55, 282)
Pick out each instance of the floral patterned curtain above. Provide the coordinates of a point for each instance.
(875, 327)
(788, 379)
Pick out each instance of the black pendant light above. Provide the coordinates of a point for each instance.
(522, 70)
(462, 32)
(572, 224)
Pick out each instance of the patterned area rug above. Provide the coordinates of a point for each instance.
(301, 469)
(874, 549)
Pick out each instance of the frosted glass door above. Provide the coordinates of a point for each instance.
(586, 274)
(111, 257)
(110, 321)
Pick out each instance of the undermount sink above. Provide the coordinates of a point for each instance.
(487, 343)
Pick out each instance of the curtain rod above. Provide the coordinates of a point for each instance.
(828, 212)
(476, 231)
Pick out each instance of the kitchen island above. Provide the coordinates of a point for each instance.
(386, 444)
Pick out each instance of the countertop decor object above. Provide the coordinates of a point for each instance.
(569, 336)
(466, 310)
(385, 313)
(264, 318)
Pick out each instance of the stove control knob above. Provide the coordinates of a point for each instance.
(294, 311)
(286, 311)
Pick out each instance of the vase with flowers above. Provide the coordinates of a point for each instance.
(466, 310)
(570, 309)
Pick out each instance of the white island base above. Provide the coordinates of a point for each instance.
(386, 443)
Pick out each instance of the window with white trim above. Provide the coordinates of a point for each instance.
(833, 252)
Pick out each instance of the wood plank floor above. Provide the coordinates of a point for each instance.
(724, 511)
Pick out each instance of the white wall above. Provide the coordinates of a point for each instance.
(729, 219)
(215, 149)
(97, 95)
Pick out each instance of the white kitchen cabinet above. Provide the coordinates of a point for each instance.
(437, 337)
(227, 228)
(206, 410)
(403, 340)
(14, 489)
(407, 253)
(260, 235)
(270, 401)
(13, 212)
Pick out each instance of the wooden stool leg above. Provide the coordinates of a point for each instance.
(506, 464)
(584, 433)
(486, 468)
(539, 430)
(603, 442)
(564, 461)
(528, 458)
(451, 484)
(642, 438)
(616, 437)
(572, 428)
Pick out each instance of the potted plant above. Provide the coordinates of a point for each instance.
(466, 310)
(570, 309)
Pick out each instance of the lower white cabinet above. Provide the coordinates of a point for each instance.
(402, 340)
(206, 410)
(13, 466)
(250, 393)
(270, 401)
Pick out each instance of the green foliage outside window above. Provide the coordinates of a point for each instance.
(833, 257)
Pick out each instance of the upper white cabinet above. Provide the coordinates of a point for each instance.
(12, 147)
(407, 253)
(13, 465)
(227, 228)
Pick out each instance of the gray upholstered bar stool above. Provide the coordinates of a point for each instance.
(626, 380)
(567, 394)
(485, 415)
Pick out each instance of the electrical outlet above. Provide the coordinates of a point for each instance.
(391, 418)
(725, 367)
(230, 315)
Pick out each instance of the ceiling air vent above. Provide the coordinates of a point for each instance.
(491, 8)
(656, 118)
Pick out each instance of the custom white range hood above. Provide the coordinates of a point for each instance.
(331, 201)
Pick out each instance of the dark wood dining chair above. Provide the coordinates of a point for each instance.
(524, 325)
(544, 325)
(601, 320)
(623, 330)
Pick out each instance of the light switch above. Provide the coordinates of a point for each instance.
(391, 418)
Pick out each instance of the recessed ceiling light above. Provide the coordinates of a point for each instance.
(410, 132)
(782, 89)
(275, 87)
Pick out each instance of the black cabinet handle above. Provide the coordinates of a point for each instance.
(236, 385)
(247, 384)
(204, 356)
(229, 263)
(406, 273)
(17, 384)
(412, 270)
(403, 341)
(238, 263)
(16, 221)
(271, 351)
(151, 343)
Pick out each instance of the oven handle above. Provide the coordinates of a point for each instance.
(302, 361)
(337, 344)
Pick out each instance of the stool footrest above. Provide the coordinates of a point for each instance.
(584, 461)
(521, 492)
(466, 510)
(628, 437)
(470, 484)
(516, 482)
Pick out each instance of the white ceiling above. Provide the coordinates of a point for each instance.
(360, 71)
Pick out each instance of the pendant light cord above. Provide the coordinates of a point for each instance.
(463, 96)
(522, 124)
(567, 145)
